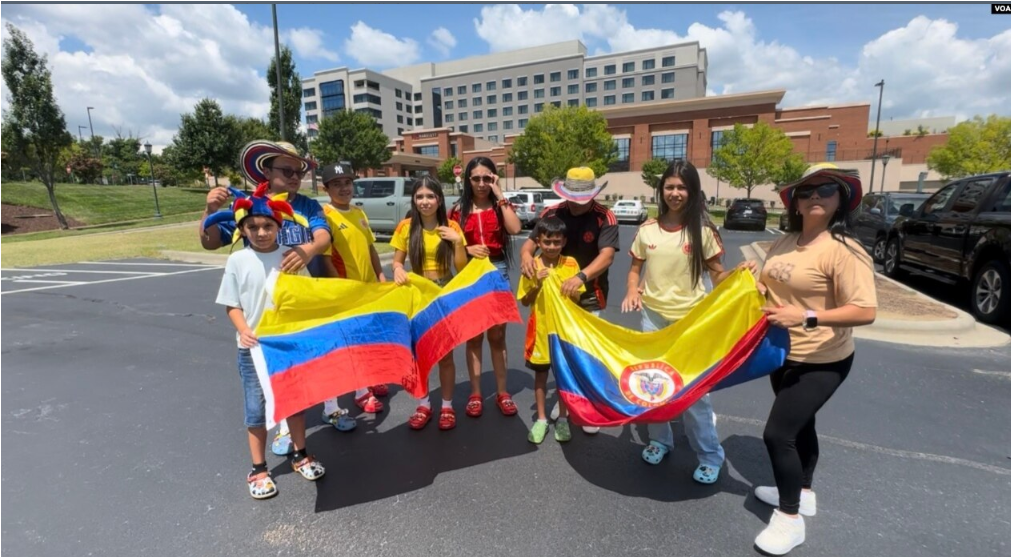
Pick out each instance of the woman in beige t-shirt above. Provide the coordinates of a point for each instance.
(820, 283)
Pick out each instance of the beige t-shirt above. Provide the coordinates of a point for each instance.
(669, 290)
(821, 276)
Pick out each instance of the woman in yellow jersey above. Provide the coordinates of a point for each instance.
(434, 245)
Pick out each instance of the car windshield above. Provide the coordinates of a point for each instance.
(625, 204)
(550, 195)
(896, 202)
(750, 204)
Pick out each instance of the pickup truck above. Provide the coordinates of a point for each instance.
(387, 200)
(960, 235)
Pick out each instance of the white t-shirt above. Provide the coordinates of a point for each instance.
(245, 277)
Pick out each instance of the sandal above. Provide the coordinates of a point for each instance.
(380, 390)
(447, 419)
(261, 486)
(309, 468)
(421, 417)
(474, 406)
(369, 403)
(340, 420)
(282, 444)
(506, 404)
(655, 452)
(705, 474)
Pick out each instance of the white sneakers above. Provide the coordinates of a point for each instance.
(770, 495)
(782, 535)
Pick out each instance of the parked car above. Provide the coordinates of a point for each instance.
(527, 205)
(785, 221)
(746, 213)
(629, 210)
(876, 216)
(386, 201)
(548, 196)
(960, 235)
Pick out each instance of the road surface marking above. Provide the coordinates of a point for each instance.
(992, 373)
(145, 276)
(147, 264)
(85, 271)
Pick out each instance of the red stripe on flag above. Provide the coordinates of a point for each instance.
(467, 321)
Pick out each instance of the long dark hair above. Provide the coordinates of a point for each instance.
(694, 216)
(466, 204)
(840, 224)
(416, 244)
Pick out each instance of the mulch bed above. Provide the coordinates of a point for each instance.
(22, 219)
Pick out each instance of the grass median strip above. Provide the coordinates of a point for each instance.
(94, 204)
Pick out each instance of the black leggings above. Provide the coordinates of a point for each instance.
(801, 389)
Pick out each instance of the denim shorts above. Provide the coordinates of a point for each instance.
(256, 405)
(500, 264)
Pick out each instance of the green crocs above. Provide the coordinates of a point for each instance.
(562, 433)
(538, 432)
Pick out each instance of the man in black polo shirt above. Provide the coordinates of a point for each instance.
(591, 238)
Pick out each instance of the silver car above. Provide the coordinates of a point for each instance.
(527, 205)
(629, 210)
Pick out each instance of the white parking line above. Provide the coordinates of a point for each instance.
(774, 231)
(85, 271)
(144, 276)
(19, 281)
(146, 264)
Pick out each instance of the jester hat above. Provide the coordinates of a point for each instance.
(276, 207)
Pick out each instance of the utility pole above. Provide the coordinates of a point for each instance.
(277, 66)
(874, 145)
(97, 154)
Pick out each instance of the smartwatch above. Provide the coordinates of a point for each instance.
(582, 276)
(811, 321)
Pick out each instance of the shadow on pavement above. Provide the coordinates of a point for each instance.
(748, 457)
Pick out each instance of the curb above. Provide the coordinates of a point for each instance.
(208, 258)
(949, 332)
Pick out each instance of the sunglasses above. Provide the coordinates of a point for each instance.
(823, 190)
(289, 172)
(484, 178)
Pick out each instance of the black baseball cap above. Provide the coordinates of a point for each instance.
(337, 170)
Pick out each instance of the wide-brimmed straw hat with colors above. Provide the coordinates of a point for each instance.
(823, 173)
(256, 154)
(580, 185)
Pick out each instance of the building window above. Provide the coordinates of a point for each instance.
(609, 100)
(648, 80)
(539, 79)
(539, 93)
(668, 61)
(493, 126)
(463, 129)
(475, 88)
(461, 103)
(359, 83)
(669, 147)
(418, 109)
(507, 83)
(366, 98)
(311, 105)
(449, 118)
(556, 104)
(609, 70)
(555, 76)
(573, 103)
(448, 105)
(312, 133)
(490, 86)
(647, 96)
(428, 150)
(628, 82)
(494, 138)
(418, 121)
(400, 119)
(476, 114)
(628, 67)
(453, 147)
(522, 123)
(507, 125)
(399, 105)
(716, 141)
(418, 96)
(668, 93)
(400, 131)
(573, 89)
(476, 102)
(649, 64)
(590, 87)
(609, 85)
(556, 91)
(311, 92)
(376, 113)
(522, 109)
(507, 97)
(573, 74)
(668, 77)
(522, 81)
(621, 163)
(490, 99)
(332, 97)
(538, 107)
(372, 85)
(591, 102)
(479, 128)
(507, 111)
(461, 116)
(312, 119)
(591, 72)
(521, 95)
(491, 113)
(831, 151)
(398, 93)
(411, 121)
(628, 98)
(461, 90)
(448, 92)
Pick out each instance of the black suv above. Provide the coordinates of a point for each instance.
(876, 216)
(747, 213)
(960, 235)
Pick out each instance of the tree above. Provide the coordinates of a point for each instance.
(291, 95)
(206, 138)
(83, 164)
(976, 146)
(35, 129)
(652, 171)
(445, 170)
(794, 168)
(750, 156)
(351, 136)
(562, 138)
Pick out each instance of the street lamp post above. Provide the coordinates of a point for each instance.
(154, 190)
(279, 90)
(885, 161)
(874, 146)
(92, 128)
(79, 137)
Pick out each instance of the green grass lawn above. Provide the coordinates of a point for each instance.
(94, 205)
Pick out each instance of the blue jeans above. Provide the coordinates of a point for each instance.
(699, 420)
(256, 405)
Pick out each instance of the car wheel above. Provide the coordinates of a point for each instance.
(989, 293)
(878, 251)
(893, 258)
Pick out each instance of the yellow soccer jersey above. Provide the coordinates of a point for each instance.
(351, 239)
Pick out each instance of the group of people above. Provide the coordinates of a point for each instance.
(818, 281)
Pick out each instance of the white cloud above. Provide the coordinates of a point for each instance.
(308, 43)
(374, 48)
(143, 66)
(442, 40)
(929, 69)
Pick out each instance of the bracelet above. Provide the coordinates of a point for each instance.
(582, 276)
(504, 203)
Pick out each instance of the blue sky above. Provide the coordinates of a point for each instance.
(142, 65)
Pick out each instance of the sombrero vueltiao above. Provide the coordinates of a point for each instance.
(822, 173)
(580, 185)
(257, 153)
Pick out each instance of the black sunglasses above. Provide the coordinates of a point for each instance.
(289, 172)
(823, 190)
(486, 178)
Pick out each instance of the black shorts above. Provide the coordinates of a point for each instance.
(538, 367)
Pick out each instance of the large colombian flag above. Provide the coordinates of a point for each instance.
(320, 338)
(609, 375)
